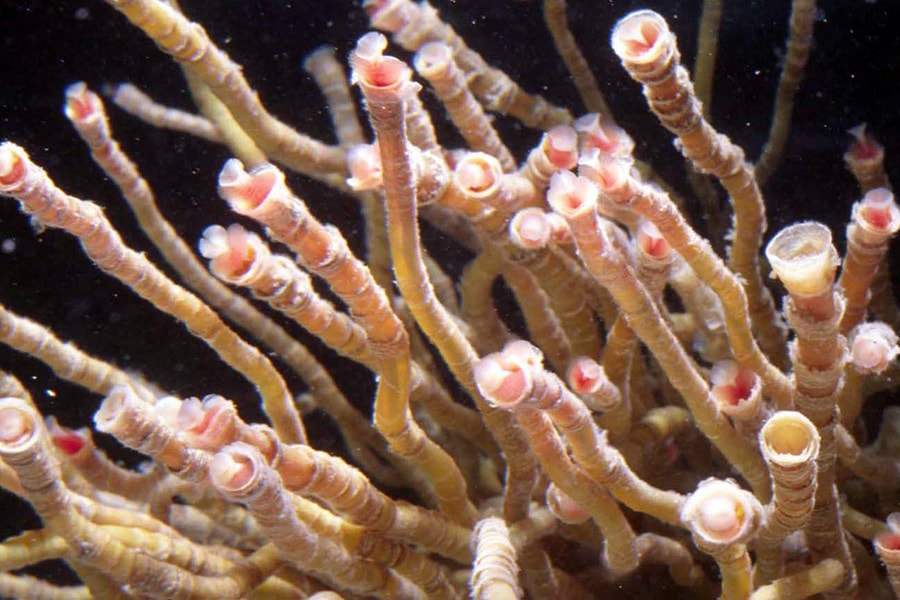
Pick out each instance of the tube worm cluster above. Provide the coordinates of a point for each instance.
(652, 424)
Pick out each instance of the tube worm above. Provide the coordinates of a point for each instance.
(803, 258)
(799, 44)
(874, 221)
(434, 61)
(584, 79)
(865, 159)
(649, 53)
(739, 393)
(887, 545)
(587, 379)
(822, 578)
(412, 24)
(722, 518)
(189, 44)
(575, 198)
(619, 187)
(138, 104)
(240, 473)
(28, 183)
(790, 445)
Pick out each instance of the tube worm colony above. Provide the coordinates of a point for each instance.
(654, 411)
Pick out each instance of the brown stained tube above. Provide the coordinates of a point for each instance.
(880, 472)
(233, 135)
(263, 196)
(328, 72)
(711, 340)
(860, 524)
(799, 44)
(543, 325)
(477, 307)
(481, 179)
(28, 183)
(584, 79)
(243, 259)
(865, 159)
(648, 50)
(65, 359)
(707, 52)
(618, 552)
(214, 423)
(617, 361)
(349, 492)
(189, 44)
(819, 579)
(138, 104)
(145, 428)
(330, 76)
(366, 546)
(77, 446)
(384, 81)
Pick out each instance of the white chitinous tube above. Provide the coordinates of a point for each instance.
(873, 347)
(530, 229)
(722, 518)
(790, 445)
(804, 259)
(479, 176)
(644, 43)
(721, 514)
(19, 427)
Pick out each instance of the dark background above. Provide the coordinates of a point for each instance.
(852, 77)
